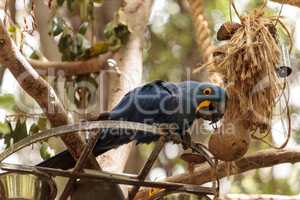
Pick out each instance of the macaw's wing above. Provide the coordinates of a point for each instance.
(153, 103)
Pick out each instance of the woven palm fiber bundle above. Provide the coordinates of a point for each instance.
(247, 63)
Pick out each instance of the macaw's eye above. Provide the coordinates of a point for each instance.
(207, 91)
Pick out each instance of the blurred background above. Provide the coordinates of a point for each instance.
(170, 54)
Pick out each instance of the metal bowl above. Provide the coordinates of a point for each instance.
(20, 186)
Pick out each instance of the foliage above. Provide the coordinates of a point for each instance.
(74, 44)
(7, 101)
(14, 128)
(16, 134)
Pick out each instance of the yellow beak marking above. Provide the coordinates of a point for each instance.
(203, 104)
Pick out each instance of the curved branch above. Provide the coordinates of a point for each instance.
(261, 159)
(72, 67)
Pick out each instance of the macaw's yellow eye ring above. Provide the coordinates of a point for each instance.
(207, 91)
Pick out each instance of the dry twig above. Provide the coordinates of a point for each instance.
(72, 67)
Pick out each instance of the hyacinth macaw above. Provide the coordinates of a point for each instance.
(158, 102)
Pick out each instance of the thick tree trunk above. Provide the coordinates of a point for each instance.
(131, 67)
(130, 62)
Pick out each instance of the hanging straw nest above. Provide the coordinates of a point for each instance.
(247, 64)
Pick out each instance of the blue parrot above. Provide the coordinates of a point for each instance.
(158, 102)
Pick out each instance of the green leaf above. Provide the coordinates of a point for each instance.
(34, 55)
(98, 48)
(72, 46)
(42, 123)
(4, 128)
(39, 126)
(115, 44)
(7, 101)
(122, 32)
(65, 44)
(45, 151)
(11, 28)
(58, 26)
(114, 29)
(83, 28)
(60, 2)
(19, 133)
(109, 29)
(116, 34)
(78, 42)
(34, 129)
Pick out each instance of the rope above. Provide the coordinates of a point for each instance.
(202, 31)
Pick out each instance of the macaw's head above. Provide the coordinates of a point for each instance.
(210, 101)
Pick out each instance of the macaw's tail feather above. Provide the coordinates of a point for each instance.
(104, 116)
(63, 160)
(110, 139)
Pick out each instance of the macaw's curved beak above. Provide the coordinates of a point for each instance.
(211, 110)
(203, 105)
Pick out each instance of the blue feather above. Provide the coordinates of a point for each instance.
(157, 102)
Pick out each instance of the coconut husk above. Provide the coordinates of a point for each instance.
(247, 62)
(230, 141)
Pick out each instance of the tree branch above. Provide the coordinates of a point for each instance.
(261, 159)
(72, 67)
(37, 88)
